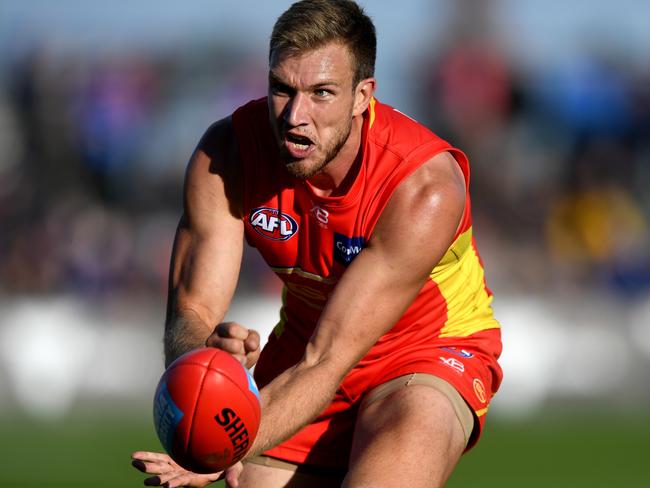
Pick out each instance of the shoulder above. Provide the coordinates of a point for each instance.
(249, 118)
(398, 132)
(225, 132)
(216, 136)
(427, 204)
(215, 165)
(438, 181)
(216, 150)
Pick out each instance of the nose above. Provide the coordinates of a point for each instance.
(296, 110)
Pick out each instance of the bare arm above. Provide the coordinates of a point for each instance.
(208, 247)
(392, 269)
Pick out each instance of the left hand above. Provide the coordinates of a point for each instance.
(241, 342)
(168, 473)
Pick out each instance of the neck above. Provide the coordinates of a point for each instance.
(339, 174)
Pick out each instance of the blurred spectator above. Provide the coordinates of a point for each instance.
(559, 157)
(114, 109)
(597, 232)
(90, 182)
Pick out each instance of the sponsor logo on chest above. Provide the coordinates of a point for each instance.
(347, 248)
(273, 224)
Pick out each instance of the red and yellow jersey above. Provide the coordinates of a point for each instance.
(310, 240)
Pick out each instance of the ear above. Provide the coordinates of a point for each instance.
(362, 95)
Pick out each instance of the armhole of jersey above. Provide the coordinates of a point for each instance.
(466, 219)
(240, 133)
(220, 146)
(412, 162)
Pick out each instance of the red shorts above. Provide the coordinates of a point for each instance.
(469, 364)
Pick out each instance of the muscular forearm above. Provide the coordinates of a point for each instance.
(291, 401)
(184, 331)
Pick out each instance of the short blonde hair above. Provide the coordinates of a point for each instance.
(310, 24)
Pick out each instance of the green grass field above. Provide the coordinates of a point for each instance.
(566, 451)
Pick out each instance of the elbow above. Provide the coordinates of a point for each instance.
(331, 367)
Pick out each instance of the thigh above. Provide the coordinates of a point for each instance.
(468, 364)
(256, 475)
(411, 437)
(284, 475)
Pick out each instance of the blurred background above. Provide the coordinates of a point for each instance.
(102, 103)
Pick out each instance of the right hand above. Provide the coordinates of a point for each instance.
(236, 339)
(167, 473)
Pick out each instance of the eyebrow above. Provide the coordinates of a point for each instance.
(273, 78)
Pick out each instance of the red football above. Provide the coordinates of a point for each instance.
(206, 410)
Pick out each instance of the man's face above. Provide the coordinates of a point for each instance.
(311, 102)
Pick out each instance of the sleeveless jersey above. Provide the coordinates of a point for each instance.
(309, 240)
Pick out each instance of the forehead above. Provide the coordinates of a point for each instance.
(331, 62)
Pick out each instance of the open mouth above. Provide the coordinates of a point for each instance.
(299, 146)
(300, 142)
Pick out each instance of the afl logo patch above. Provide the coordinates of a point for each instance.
(273, 224)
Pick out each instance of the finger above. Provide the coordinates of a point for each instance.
(233, 346)
(139, 465)
(232, 475)
(152, 468)
(152, 456)
(232, 329)
(165, 479)
(251, 358)
(252, 342)
(152, 462)
(184, 480)
(190, 479)
(153, 481)
(180, 478)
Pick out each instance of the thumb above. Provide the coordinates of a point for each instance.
(232, 475)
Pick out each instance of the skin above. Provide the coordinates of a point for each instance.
(312, 101)
(311, 97)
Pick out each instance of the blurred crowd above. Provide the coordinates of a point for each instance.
(560, 157)
(93, 151)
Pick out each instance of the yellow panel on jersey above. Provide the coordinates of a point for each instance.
(460, 280)
(371, 112)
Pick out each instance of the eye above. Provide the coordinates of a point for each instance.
(323, 93)
(279, 89)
